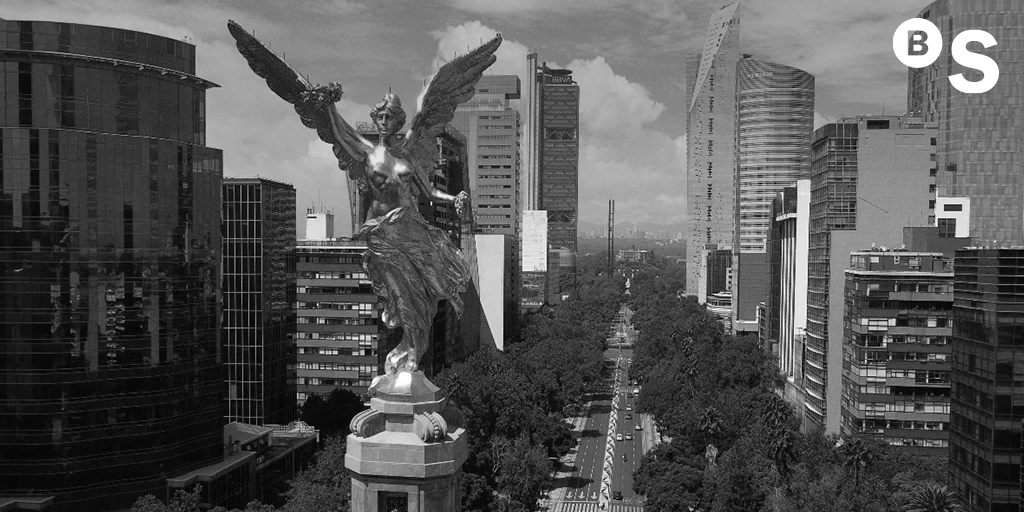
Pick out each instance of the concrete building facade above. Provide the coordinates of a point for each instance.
(871, 176)
(898, 348)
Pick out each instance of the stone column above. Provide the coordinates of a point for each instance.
(406, 451)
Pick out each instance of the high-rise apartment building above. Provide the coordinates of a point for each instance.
(110, 243)
(259, 300)
(338, 342)
(988, 361)
(979, 151)
(552, 154)
(710, 140)
(774, 122)
(897, 350)
(871, 176)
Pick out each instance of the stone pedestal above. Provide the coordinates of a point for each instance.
(406, 451)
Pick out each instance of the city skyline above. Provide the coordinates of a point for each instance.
(629, 63)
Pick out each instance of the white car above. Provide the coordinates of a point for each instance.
(629, 407)
(629, 437)
(637, 427)
(618, 437)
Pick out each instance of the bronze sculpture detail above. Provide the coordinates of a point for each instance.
(412, 264)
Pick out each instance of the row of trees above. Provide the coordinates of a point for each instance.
(733, 443)
(515, 403)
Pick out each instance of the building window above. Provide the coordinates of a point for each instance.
(878, 124)
(947, 228)
(953, 207)
(393, 502)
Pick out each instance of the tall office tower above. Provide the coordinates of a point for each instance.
(979, 155)
(774, 123)
(259, 300)
(492, 130)
(710, 140)
(786, 304)
(985, 410)
(110, 357)
(897, 349)
(870, 178)
(551, 165)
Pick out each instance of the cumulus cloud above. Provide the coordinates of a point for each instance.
(459, 39)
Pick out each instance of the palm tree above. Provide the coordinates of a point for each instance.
(933, 497)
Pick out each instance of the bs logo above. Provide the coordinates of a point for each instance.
(918, 43)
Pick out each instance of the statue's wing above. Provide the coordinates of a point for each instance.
(452, 84)
(308, 100)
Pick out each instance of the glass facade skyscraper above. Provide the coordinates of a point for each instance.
(551, 165)
(109, 265)
(774, 123)
(710, 141)
(259, 300)
(979, 150)
(987, 404)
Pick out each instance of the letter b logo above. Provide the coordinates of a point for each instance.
(917, 43)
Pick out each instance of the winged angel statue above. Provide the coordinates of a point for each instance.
(412, 264)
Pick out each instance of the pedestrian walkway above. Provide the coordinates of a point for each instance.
(590, 506)
(567, 462)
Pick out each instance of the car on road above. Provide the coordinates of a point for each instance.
(636, 390)
(618, 437)
(629, 415)
(637, 427)
(629, 436)
(617, 496)
(629, 407)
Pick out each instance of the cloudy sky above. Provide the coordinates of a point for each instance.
(627, 56)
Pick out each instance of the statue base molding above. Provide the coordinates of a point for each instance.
(406, 451)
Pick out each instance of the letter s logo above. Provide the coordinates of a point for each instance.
(974, 60)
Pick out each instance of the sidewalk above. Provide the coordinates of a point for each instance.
(568, 461)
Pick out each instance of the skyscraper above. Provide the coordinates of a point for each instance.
(551, 164)
(491, 128)
(985, 410)
(259, 300)
(871, 176)
(774, 123)
(710, 141)
(110, 243)
(979, 151)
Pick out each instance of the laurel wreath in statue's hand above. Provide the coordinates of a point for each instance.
(462, 207)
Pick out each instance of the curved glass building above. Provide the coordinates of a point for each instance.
(110, 374)
(774, 123)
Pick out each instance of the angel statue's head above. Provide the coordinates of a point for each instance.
(388, 115)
